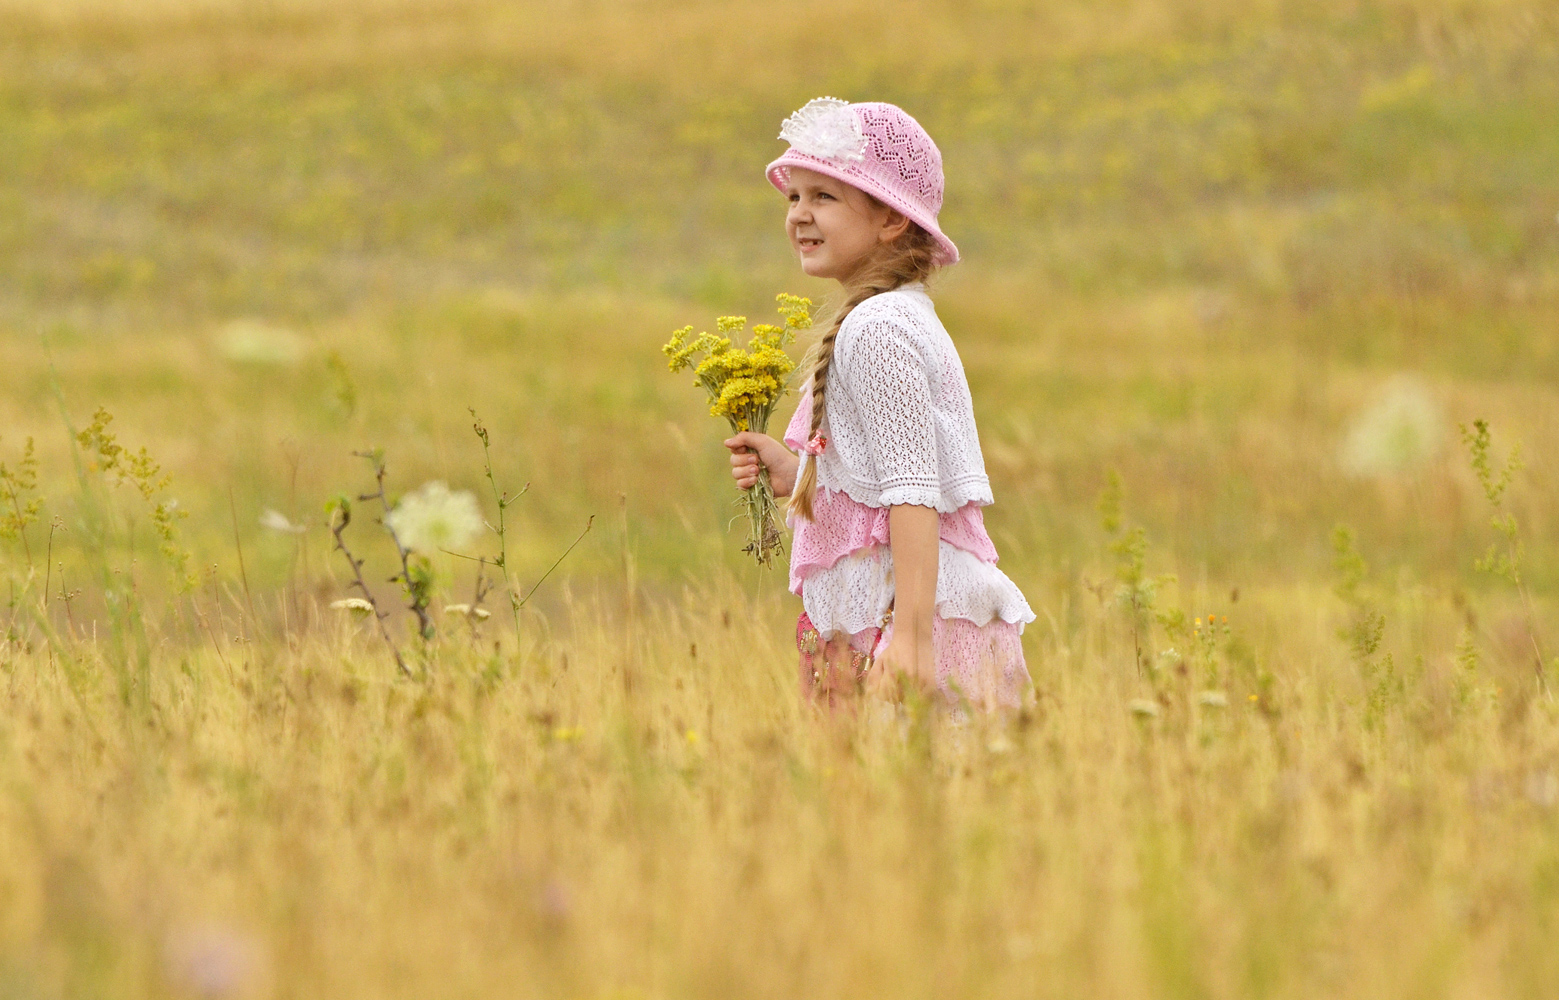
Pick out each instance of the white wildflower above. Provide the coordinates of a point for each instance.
(1021, 946)
(825, 128)
(1144, 707)
(356, 605)
(1402, 430)
(467, 610)
(553, 901)
(998, 744)
(1213, 699)
(1542, 789)
(275, 520)
(214, 961)
(254, 341)
(433, 518)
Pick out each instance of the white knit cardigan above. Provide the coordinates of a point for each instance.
(899, 418)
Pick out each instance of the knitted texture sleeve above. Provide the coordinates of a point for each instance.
(900, 420)
(890, 388)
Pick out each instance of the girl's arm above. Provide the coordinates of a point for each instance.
(749, 449)
(913, 533)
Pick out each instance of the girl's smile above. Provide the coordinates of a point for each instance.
(833, 226)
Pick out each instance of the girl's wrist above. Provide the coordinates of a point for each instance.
(909, 622)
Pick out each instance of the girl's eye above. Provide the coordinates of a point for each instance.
(825, 194)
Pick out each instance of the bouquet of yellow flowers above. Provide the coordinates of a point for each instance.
(743, 387)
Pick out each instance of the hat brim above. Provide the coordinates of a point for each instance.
(778, 173)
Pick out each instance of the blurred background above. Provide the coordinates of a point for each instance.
(1262, 258)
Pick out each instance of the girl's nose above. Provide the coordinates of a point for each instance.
(798, 214)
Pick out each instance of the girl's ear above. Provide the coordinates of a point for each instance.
(894, 226)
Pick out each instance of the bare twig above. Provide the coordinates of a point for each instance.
(58, 524)
(503, 499)
(337, 527)
(479, 594)
(419, 597)
(243, 574)
(482, 588)
(67, 596)
(582, 534)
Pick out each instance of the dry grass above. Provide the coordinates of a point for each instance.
(1202, 240)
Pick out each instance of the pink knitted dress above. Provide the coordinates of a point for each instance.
(900, 429)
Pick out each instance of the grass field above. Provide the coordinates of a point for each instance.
(1255, 263)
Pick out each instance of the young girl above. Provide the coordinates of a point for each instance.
(896, 573)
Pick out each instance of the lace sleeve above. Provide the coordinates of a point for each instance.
(887, 378)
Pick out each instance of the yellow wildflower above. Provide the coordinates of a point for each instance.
(743, 385)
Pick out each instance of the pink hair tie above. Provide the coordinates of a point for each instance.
(815, 444)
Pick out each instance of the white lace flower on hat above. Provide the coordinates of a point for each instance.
(825, 128)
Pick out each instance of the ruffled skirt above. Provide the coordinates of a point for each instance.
(977, 631)
(978, 666)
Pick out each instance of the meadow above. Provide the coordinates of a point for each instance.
(1240, 281)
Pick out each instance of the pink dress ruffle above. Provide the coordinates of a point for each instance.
(841, 525)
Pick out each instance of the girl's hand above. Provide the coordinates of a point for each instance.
(749, 450)
(903, 662)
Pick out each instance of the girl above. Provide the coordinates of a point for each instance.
(886, 481)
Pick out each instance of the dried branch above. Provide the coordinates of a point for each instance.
(341, 515)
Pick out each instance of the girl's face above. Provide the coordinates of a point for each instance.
(833, 226)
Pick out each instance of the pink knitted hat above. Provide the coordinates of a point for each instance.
(874, 147)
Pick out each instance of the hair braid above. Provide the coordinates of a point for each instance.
(906, 260)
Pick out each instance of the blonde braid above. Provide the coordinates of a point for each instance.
(906, 260)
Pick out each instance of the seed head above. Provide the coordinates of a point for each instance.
(356, 605)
